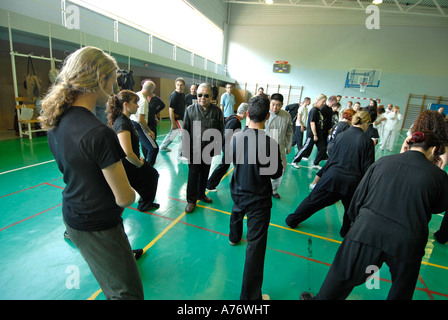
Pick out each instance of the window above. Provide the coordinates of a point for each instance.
(171, 20)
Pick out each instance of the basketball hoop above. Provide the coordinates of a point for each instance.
(362, 86)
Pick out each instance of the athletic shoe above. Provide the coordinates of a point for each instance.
(276, 195)
(295, 165)
(312, 185)
(316, 167)
(305, 159)
(165, 150)
(212, 189)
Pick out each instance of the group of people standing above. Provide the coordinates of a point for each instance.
(104, 173)
(376, 227)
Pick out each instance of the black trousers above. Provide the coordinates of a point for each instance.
(307, 148)
(144, 180)
(442, 234)
(317, 200)
(217, 174)
(197, 181)
(257, 235)
(349, 269)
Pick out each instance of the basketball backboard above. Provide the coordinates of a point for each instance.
(358, 77)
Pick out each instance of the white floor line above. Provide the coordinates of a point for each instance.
(23, 168)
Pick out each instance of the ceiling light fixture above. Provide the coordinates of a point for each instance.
(377, 1)
(269, 1)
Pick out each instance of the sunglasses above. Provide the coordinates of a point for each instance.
(206, 96)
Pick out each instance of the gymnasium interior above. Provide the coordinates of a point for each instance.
(296, 48)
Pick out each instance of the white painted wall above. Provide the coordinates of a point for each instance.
(413, 59)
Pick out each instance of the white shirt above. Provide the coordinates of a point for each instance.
(303, 112)
(142, 108)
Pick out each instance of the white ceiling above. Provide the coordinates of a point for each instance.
(435, 8)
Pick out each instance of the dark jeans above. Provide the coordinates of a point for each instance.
(298, 138)
(348, 270)
(197, 181)
(257, 235)
(149, 145)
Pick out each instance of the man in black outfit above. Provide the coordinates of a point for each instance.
(390, 211)
(251, 191)
(327, 124)
(200, 117)
(314, 135)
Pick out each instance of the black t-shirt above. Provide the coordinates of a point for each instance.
(177, 103)
(372, 132)
(123, 123)
(316, 117)
(251, 186)
(189, 99)
(154, 107)
(292, 109)
(327, 114)
(82, 147)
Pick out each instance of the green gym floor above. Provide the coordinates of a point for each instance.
(186, 256)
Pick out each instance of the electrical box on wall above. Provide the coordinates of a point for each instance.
(281, 67)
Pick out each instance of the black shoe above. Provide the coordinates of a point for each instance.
(439, 238)
(276, 195)
(144, 206)
(206, 199)
(306, 296)
(190, 207)
(137, 253)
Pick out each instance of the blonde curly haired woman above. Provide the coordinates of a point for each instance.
(89, 155)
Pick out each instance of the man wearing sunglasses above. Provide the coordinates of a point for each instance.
(199, 118)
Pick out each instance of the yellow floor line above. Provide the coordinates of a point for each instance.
(313, 235)
(172, 224)
(96, 294)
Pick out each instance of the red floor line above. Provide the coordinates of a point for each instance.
(53, 185)
(7, 195)
(33, 216)
(426, 289)
(26, 189)
(429, 292)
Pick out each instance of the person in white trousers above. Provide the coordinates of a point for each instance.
(390, 128)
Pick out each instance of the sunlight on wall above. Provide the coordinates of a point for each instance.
(172, 20)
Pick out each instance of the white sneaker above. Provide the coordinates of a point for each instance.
(312, 185)
(316, 167)
(295, 165)
(182, 158)
(305, 159)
